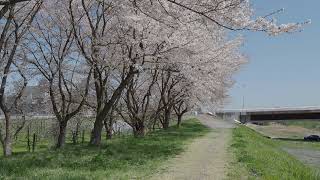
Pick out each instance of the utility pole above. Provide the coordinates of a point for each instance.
(243, 103)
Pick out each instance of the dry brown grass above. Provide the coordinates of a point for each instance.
(275, 130)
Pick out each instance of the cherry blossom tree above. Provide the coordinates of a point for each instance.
(123, 43)
(137, 100)
(182, 103)
(7, 4)
(11, 2)
(227, 14)
(96, 26)
(14, 24)
(52, 50)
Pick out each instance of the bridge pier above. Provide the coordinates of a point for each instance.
(244, 118)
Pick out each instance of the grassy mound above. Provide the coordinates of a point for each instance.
(120, 158)
(262, 158)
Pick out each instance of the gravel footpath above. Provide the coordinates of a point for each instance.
(206, 158)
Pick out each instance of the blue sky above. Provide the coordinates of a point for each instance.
(282, 70)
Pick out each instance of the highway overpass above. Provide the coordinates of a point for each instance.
(271, 114)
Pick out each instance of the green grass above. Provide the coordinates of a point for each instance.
(262, 158)
(120, 158)
(42, 144)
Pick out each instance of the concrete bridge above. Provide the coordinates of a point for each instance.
(271, 114)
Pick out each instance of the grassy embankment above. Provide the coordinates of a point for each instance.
(300, 145)
(257, 157)
(290, 129)
(120, 158)
(309, 124)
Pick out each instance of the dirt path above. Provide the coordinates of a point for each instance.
(206, 158)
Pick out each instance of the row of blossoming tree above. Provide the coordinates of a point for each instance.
(138, 60)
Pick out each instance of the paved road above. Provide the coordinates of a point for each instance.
(206, 158)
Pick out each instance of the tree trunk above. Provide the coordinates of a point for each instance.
(139, 130)
(109, 133)
(62, 134)
(179, 120)
(109, 128)
(7, 147)
(75, 133)
(95, 138)
(7, 143)
(108, 125)
(74, 137)
(166, 120)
